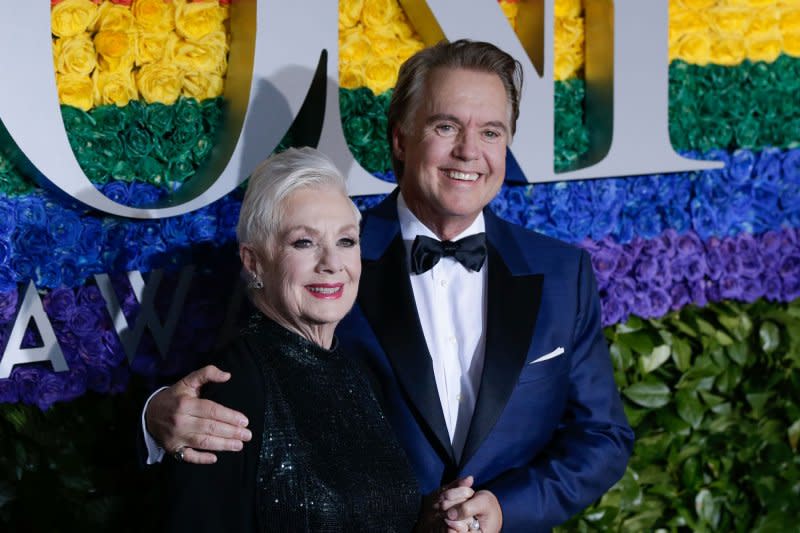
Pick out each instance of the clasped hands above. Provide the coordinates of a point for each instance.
(178, 419)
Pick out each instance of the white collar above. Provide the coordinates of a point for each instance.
(411, 226)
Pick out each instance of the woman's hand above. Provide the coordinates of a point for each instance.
(437, 504)
(481, 512)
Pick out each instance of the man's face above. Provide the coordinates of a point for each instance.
(454, 151)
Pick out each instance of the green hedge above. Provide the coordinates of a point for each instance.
(713, 394)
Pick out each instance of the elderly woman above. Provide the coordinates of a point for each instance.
(322, 457)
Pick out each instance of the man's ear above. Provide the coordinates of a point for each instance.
(398, 144)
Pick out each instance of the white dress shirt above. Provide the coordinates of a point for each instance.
(451, 304)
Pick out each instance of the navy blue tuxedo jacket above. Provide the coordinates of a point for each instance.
(547, 438)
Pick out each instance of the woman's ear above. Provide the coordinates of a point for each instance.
(249, 259)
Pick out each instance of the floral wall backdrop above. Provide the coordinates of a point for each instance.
(699, 273)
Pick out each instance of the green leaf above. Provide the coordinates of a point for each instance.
(757, 401)
(689, 407)
(638, 341)
(655, 359)
(648, 394)
(738, 353)
(770, 336)
(706, 328)
(707, 507)
(794, 434)
(723, 338)
(681, 354)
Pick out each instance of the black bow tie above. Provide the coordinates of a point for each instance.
(469, 251)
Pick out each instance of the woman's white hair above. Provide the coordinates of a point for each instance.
(273, 180)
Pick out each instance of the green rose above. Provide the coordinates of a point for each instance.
(761, 76)
(187, 111)
(375, 157)
(747, 132)
(109, 118)
(202, 148)
(123, 171)
(212, 113)
(185, 137)
(358, 131)
(159, 119)
(138, 142)
(178, 171)
(150, 170)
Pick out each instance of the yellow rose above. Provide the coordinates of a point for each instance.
(729, 20)
(728, 51)
(75, 55)
(694, 48)
(150, 46)
(202, 85)
(766, 50)
(765, 23)
(154, 15)
(791, 44)
(567, 63)
(790, 21)
(75, 90)
(354, 46)
(757, 4)
(352, 78)
(198, 19)
(378, 13)
(382, 42)
(71, 17)
(208, 54)
(402, 28)
(510, 11)
(116, 88)
(568, 8)
(159, 82)
(115, 49)
(113, 17)
(684, 20)
(698, 5)
(407, 48)
(568, 32)
(380, 74)
(349, 13)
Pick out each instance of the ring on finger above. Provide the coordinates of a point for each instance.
(474, 524)
(178, 453)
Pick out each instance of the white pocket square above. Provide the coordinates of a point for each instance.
(555, 353)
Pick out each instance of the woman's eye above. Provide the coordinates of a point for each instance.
(347, 242)
(302, 243)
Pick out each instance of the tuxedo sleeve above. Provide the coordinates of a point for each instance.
(590, 449)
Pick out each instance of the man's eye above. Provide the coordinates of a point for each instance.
(491, 134)
(302, 244)
(347, 242)
(445, 129)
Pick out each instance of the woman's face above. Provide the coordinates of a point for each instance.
(311, 271)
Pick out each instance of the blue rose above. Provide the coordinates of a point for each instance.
(35, 242)
(64, 227)
(704, 218)
(145, 233)
(176, 230)
(24, 267)
(5, 252)
(27, 380)
(8, 280)
(144, 194)
(8, 304)
(740, 169)
(90, 241)
(71, 273)
(117, 191)
(7, 217)
(642, 189)
(49, 275)
(203, 225)
(30, 211)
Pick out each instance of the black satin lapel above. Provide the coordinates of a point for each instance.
(386, 298)
(510, 319)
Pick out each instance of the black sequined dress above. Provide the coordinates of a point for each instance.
(323, 458)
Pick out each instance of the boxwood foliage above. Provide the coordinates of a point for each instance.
(713, 395)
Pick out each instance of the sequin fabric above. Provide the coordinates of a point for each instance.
(328, 460)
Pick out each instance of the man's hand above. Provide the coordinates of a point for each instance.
(483, 506)
(177, 418)
(436, 504)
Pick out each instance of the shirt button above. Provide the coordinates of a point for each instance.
(452, 339)
(458, 397)
(443, 283)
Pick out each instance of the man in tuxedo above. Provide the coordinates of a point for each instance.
(483, 339)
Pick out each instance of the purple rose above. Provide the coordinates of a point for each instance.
(8, 304)
(85, 321)
(92, 350)
(695, 267)
(625, 261)
(688, 244)
(773, 287)
(612, 310)
(623, 290)
(770, 241)
(90, 296)
(730, 287)
(8, 391)
(646, 269)
(605, 262)
(679, 294)
(75, 385)
(789, 266)
(59, 303)
(698, 292)
(50, 389)
(27, 380)
(653, 248)
(791, 287)
(669, 238)
(752, 289)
